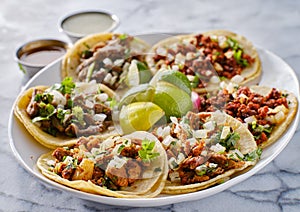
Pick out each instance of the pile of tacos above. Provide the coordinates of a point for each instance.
(232, 120)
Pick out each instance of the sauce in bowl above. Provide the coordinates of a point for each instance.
(43, 56)
(79, 24)
(34, 55)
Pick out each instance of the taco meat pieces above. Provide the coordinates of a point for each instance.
(56, 115)
(204, 148)
(208, 58)
(106, 58)
(266, 112)
(126, 166)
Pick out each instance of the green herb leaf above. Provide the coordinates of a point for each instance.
(121, 148)
(252, 156)
(21, 68)
(123, 36)
(66, 86)
(146, 153)
(78, 113)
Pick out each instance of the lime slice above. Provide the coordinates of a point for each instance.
(174, 77)
(140, 93)
(139, 116)
(173, 100)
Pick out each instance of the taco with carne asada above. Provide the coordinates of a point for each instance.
(114, 60)
(267, 112)
(56, 115)
(208, 58)
(204, 149)
(130, 166)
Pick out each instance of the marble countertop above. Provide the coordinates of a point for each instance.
(273, 25)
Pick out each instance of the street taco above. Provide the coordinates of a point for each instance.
(267, 112)
(132, 166)
(205, 149)
(111, 59)
(56, 115)
(208, 58)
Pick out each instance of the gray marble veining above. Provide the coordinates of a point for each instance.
(273, 25)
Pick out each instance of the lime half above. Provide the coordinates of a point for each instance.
(174, 77)
(173, 100)
(139, 116)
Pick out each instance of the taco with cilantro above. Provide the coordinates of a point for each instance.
(204, 149)
(131, 166)
(57, 115)
(114, 60)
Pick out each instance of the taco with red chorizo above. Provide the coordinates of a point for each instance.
(208, 58)
(204, 149)
(266, 112)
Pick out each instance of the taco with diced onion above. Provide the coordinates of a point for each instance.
(204, 149)
(57, 115)
(115, 60)
(208, 58)
(266, 112)
(130, 166)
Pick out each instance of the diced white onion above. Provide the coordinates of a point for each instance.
(200, 169)
(228, 54)
(161, 51)
(209, 125)
(200, 133)
(190, 77)
(107, 78)
(179, 59)
(217, 148)
(58, 98)
(107, 61)
(237, 79)
(167, 141)
(119, 62)
(212, 165)
(99, 117)
(214, 80)
(279, 117)
(222, 42)
(250, 119)
(174, 119)
(225, 132)
(180, 158)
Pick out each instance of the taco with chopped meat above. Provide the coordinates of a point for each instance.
(208, 58)
(57, 115)
(267, 112)
(114, 60)
(130, 166)
(204, 149)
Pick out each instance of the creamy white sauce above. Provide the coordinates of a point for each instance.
(88, 23)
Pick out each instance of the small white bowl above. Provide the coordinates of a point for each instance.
(78, 24)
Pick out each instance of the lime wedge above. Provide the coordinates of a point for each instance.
(173, 100)
(174, 77)
(139, 116)
(140, 93)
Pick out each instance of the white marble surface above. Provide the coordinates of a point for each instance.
(274, 25)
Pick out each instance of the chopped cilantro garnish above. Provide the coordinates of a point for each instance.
(66, 86)
(78, 113)
(230, 141)
(146, 153)
(252, 156)
(121, 147)
(141, 66)
(21, 68)
(45, 112)
(123, 36)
